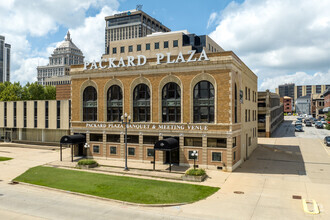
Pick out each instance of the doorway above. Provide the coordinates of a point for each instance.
(175, 154)
(7, 137)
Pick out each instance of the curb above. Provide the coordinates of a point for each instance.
(102, 198)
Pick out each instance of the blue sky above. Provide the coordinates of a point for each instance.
(279, 40)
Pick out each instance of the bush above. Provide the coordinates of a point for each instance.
(86, 162)
(196, 172)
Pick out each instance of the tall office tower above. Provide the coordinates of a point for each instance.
(130, 24)
(286, 90)
(4, 60)
(57, 71)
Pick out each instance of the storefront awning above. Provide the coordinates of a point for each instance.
(73, 139)
(167, 144)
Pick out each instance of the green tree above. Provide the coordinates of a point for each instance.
(50, 92)
(10, 92)
(328, 119)
(36, 91)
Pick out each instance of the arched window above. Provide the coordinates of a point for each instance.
(204, 102)
(90, 104)
(114, 103)
(235, 111)
(171, 103)
(141, 103)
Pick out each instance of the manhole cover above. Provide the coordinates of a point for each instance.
(296, 197)
(238, 192)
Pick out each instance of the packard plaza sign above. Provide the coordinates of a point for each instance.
(162, 127)
(141, 60)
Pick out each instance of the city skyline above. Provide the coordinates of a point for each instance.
(280, 41)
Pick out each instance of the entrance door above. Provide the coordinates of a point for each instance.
(7, 136)
(175, 154)
(80, 150)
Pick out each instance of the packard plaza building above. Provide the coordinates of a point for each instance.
(171, 84)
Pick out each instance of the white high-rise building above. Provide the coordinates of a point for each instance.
(4, 60)
(58, 69)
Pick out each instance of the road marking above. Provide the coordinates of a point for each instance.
(323, 145)
(314, 209)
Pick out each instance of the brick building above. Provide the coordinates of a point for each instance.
(287, 104)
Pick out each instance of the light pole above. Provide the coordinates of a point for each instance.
(125, 120)
(194, 154)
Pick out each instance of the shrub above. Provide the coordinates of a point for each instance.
(86, 162)
(196, 172)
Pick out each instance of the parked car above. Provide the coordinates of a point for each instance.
(299, 119)
(298, 128)
(306, 120)
(318, 125)
(323, 121)
(327, 141)
(298, 123)
(313, 120)
(309, 123)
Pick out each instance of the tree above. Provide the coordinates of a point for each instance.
(328, 119)
(50, 92)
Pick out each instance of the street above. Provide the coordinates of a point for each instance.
(284, 166)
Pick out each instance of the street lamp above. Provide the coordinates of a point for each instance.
(194, 154)
(125, 120)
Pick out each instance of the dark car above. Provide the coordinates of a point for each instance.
(299, 119)
(327, 141)
(298, 128)
(308, 123)
(298, 123)
(318, 125)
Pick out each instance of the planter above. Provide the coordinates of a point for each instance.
(88, 166)
(192, 178)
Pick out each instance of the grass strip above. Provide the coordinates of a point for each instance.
(5, 158)
(122, 188)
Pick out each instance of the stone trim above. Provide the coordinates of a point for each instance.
(83, 86)
(107, 86)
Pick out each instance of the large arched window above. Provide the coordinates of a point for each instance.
(235, 110)
(204, 102)
(114, 103)
(90, 104)
(141, 103)
(171, 103)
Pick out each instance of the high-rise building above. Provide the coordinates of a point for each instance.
(57, 71)
(4, 60)
(128, 25)
(286, 90)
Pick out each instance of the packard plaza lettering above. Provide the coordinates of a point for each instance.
(162, 127)
(141, 60)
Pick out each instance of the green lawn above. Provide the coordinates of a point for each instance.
(116, 187)
(5, 158)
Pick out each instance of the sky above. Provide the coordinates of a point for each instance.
(281, 41)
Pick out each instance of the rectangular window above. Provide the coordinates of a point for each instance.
(138, 47)
(234, 158)
(150, 152)
(234, 142)
(157, 45)
(217, 142)
(114, 50)
(25, 115)
(96, 137)
(58, 107)
(113, 150)
(147, 46)
(115, 138)
(246, 93)
(193, 141)
(35, 114)
(5, 114)
(46, 114)
(216, 156)
(131, 151)
(245, 115)
(150, 139)
(133, 139)
(69, 113)
(15, 114)
(96, 149)
(165, 44)
(249, 114)
(175, 43)
(130, 48)
(190, 155)
(249, 94)
(122, 49)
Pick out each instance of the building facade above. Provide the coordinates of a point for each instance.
(130, 25)
(58, 69)
(317, 106)
(286, 90)
(304, 105)
(43, 121)
(4, 60)
(270, 113)
(287, 104)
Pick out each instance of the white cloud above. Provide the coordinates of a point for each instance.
(212, 19)
(299, 78)
(21, 20)
(277, 37)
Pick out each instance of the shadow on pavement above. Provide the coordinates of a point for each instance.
(286, 129)
(274, 159)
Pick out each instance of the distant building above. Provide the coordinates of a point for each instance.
(270, 113)
(286, 90)
(303, 105)
(4, 60)
(57, 71)
(130, 25)
(287, 104)
(317, 105)
(326, 96)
